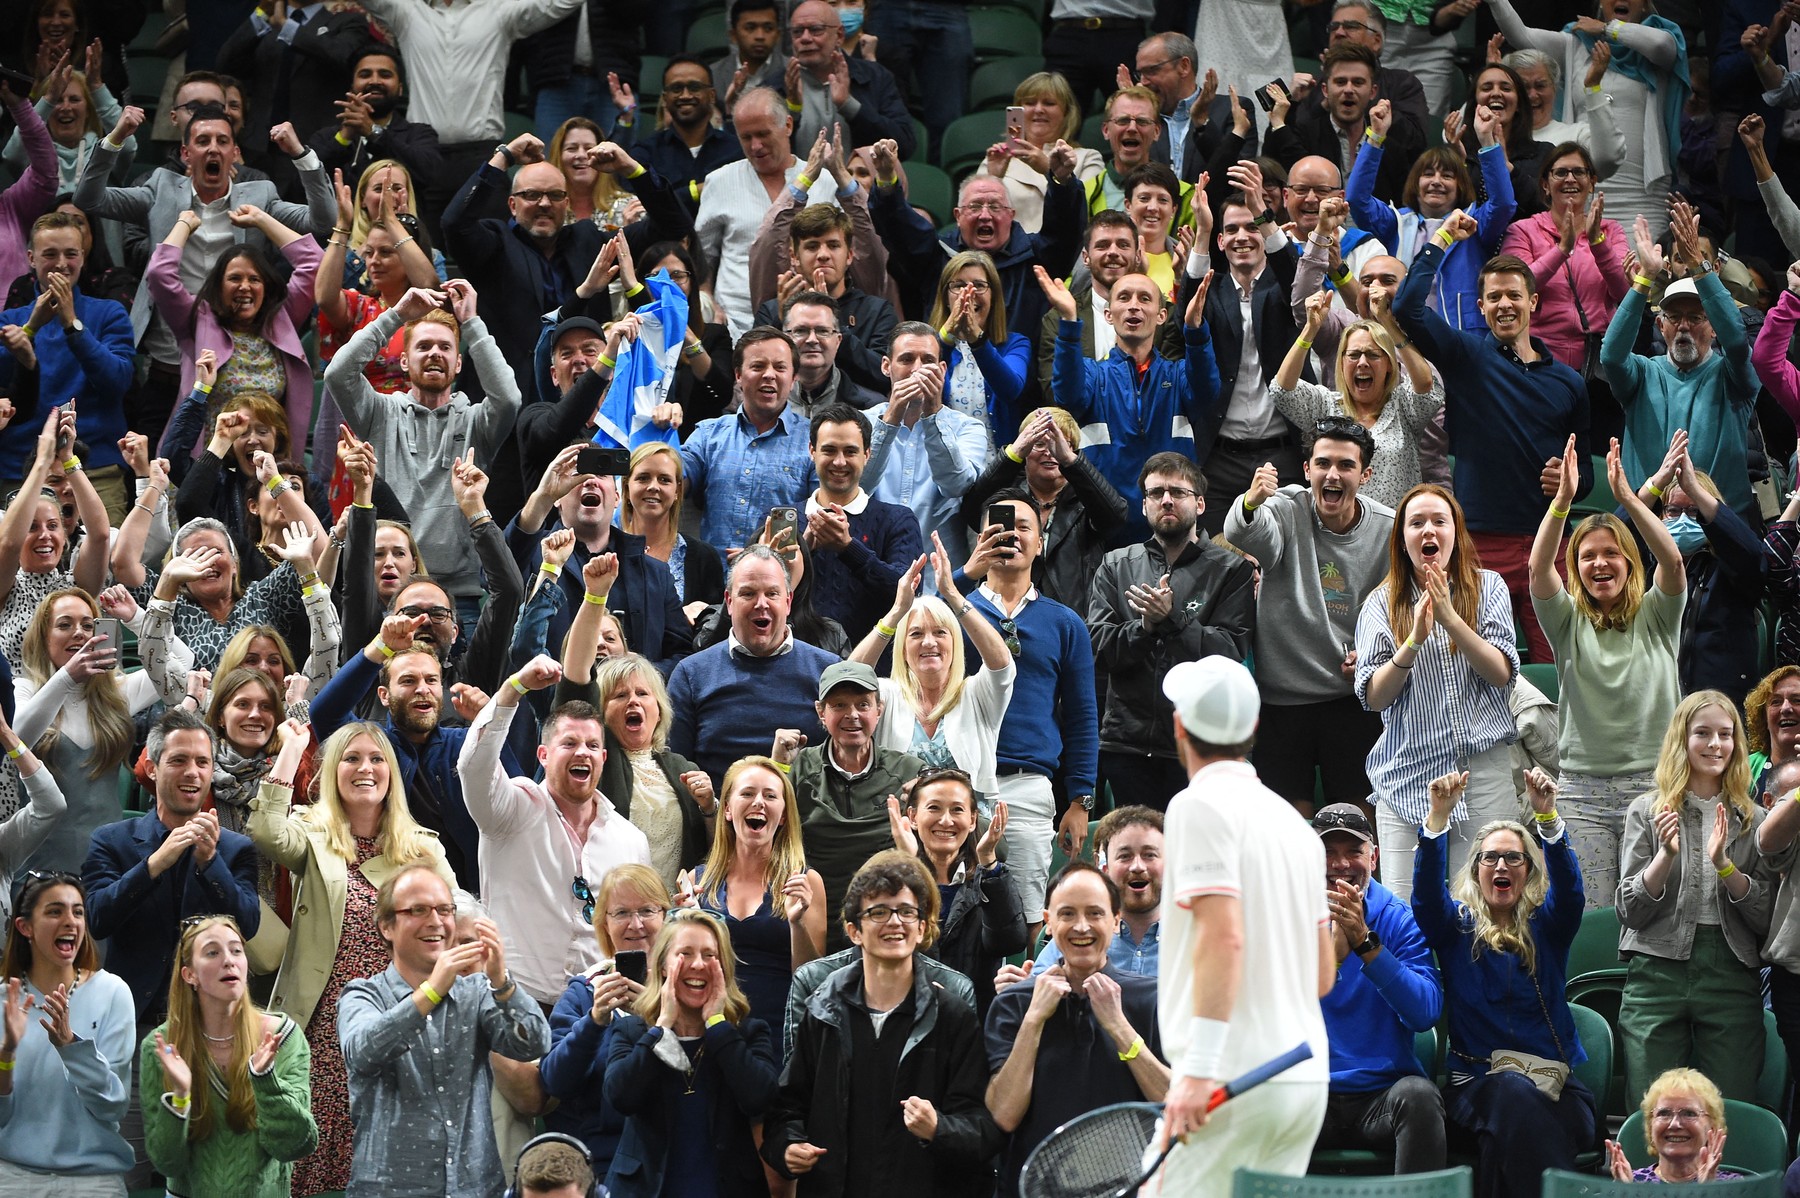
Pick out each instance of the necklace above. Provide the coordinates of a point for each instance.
(219, 1039)
(694, 1065)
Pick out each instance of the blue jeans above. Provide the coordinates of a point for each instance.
(582, 95)
(927, 33)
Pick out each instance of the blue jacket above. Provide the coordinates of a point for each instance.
(574, 1070)
(1125, 418)
(1505, 418)
(1494, 1002)
(93, 366)
(1398, 229)
(1375, 1007)
(855, 586)
(140, 916)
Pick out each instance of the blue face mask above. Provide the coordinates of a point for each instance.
(851, 19)
(1688, 532)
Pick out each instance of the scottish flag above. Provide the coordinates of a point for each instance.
(644, 371)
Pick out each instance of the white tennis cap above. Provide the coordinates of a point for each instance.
(1215, 698)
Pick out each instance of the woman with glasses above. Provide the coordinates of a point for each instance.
(34, 535)
(983, 919)
(650, 507)
(70, 1030)
(1023, 163)
(692, 1070)
(985, 373)
(755, 878)
(1614, 633)
(1684, 1129)
(340, 849)
(1378, 390)
(1435, 655)
(1693, 914)
(629, 910)
(78, 708)
(1647, 81)
(931, 707)
(1501, 928)
(1576, 255)
(249, 1118)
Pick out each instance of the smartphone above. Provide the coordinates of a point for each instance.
(633, 964)
(20, 83)
(108, 627)
(1265, 95)
(595, 460)
(1006, 516)
(783, 518)
(1015, 122)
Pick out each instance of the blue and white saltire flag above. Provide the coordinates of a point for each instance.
(644, 371)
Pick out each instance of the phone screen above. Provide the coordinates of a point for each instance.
(633, 964)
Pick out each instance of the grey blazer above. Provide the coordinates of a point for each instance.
(166, 194)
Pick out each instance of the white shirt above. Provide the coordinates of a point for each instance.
(1251, 414)
(529, 862)
(853, 508)
(1105, 336)
(732, 205)
(1228, 834)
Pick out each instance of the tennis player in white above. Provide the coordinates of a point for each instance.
(1246, 947)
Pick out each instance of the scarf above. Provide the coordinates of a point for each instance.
(235, 779)
(1659, 153)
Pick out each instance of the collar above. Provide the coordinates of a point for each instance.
(1152, 934)
(737, 646)
(832, 761)
(987, 592)
(783, 422)
(1188, 552)
(855, 507)
(1184, 106)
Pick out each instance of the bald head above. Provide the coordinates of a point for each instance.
(1384, 271)
(1311, 180)
(539, 201)
(818, 35)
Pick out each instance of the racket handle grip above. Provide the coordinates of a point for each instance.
(1259, 1075)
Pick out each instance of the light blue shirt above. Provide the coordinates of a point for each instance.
(1178, 123)
(739, 474)
(1123, 954)
(928, 468)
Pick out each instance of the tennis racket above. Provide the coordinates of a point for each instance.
(1101, 1154)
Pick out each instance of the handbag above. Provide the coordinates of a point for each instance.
(1591, 371)
(1547, 1075)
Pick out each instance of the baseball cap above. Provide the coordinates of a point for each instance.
(1343, 817)
(577, 323)
(1215, 698)
(1678, 289)
(855, 673)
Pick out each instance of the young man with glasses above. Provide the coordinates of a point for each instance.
(546, 845)
(416, 1040)
(1171, 599)
(883, 1092)
(1322, 548)
(690, 146)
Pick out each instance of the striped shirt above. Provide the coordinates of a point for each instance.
(1445, 713)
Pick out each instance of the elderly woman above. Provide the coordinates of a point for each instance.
(339, 851)
(1023, 163)
(1684, 1126)
(1693, 911)
(986, 369)
(1502, 930)
(629, 910)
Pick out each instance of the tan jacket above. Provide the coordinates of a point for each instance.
(321, 891)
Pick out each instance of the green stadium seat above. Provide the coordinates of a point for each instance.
(992, 85)
(921, 142)
(1596, 1073)
(966, 143)
(1601, 498)
(1771, 1087)
(1542, 674)
(707, 36)
(1561, 1184)
(929, 188)
(1005, 33)
(1756, 1141)
(1447, 1183)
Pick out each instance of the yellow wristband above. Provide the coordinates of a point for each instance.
(74, 463)
(607, 362)
(1250, 507)
(1442, 239)
(802, 182)
(1303, 343)
(7, 1066)
(1548, 817)
(887, 631)
(1374, 139)
(1729, 869)
(550, 568)
(1594, 90)
(1011, 456)
(1415, 646)
(793, 107)
(714, 1020)
(1643, 281)
(16, 752)
(180, 1102)
(596, 600)
(517, 685)
(1561, 513)
(783, 766)
(1130, 1054)
(1654, 489)
(204, 388)
(381, 646)
(276, 485)
(428, 992)
(340, 138)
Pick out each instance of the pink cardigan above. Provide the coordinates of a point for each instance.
(1599, 278)
(29, 198)
(1769, 354)
(197, 328)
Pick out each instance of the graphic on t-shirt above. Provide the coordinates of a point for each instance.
(1335, 588)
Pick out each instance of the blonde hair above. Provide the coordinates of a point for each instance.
(109, 719)
(606, 188)
(1673, 771)
(1678, 1081)
(615, 672)
(186, 1032)
(1621, 617)
(640, 878)
(640, 455)
(412, 543)
(239, 646)
(401, 838)
(939, 613)
(1061, 419)
(1050, 85)
(1514, 935)
(995, 328)
(359, 227)
(649, 1003)
(789, 855)
(1384, 341)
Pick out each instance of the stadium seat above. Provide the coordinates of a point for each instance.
(1542, 674)
(1596, 1073)
(992, 85)
(929, 188)
(1091, 136)
(1448, 1183)
(1005, 33)
(1771, 1086)
(707, 36)
(1561, 1184)
(1363, 1160)
(1596, 947)
(1601, 498)
(921, 142)
(966, 143)
(1755, 1141)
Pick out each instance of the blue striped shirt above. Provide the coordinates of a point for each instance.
(739, 474)
(1445, 713)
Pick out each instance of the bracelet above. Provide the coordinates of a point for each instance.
(74, 463)
(179, 1102)
(802, 182)
(550, 568)
(1248, 506)
(1547, 817)
(607, 362)
(1443, 239)
(428, 992)
(403, 241)
(1303, 343)
(888, 632)
(1205, 1048)
(1561, 513)
(1654, 489)
(1729, 869)
(1373, 138)
(276, 485)
(965, 609)
(783, 766)
(367, 507)
(1643, 281)
(140, 507)
(596, 600)
(517, 685)
(1012, 456)
(1130, 1054)
(1415, 646)
(203, 388)
(344, 229)
(793, 107)
(8, 1066)
(1395, 662)
(16, 751)
(714, 1020)
(309, 580)
(381, 646)
(694, 350)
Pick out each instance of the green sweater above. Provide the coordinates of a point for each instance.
(230, 1164)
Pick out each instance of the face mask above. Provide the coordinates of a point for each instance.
(851, 19)
(1688, 532)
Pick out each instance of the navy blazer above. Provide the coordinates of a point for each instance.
(741, 1059)
(140, 916)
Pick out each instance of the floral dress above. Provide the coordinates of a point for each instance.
(362, 953)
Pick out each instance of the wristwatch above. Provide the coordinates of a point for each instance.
(1371, 944)
(1266, 216)
(1085, 802)
(75, 326)
(512, 159)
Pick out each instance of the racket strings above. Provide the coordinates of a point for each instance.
(1093, 1157)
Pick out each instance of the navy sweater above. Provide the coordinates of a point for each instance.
(1052, 725)
(1505, 418)
(855, 586)
(728, 704)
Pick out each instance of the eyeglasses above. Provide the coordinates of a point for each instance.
(1009, 631)
(1686, 320)
(1363, 355)
(1512, 857)
(976, 285)
(810, 30)
(584, 894)
(1133, 122)
(439, 615)
(1157, 493)
(686, 88)
(679, 276)
(808, 332)
(990, 206)
(1320, 190)
(425, 910)
(629, 915)
(1686, 1114)
(532, 195)
(881, 913)
(1334, 424)
(1152, 68)
(1569, 172)
(1348, 27)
